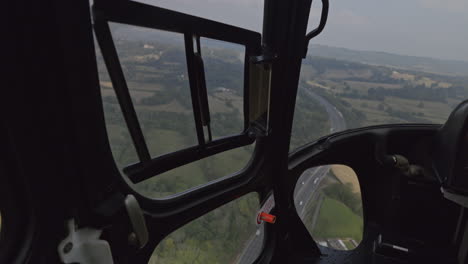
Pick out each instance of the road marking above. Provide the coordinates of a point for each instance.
(342, 244)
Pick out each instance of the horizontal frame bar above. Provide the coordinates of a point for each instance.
(141, 171)
(138, 14)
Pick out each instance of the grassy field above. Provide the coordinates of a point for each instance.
(423, 80)
(196, 173)
(308, 72)
(224, 102)
(235, 101)
(436, 112)
(376, 112)
(346, 175)
(344, 74)
(374, 115)
(206, 240)
(173, 106)
(433, 112)
(336, 220)
(318, 85)
(144, 86)
(162, 141)
(368, 85)
(352, 84)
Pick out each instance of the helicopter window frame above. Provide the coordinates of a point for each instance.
(192, 28)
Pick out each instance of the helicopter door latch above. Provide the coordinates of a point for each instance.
(323, 21)
(139, 237)
(84, 246)
(269, 218)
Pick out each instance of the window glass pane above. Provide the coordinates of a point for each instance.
(313, 117)
(156, 74)
(165, 113)
(224, 74)
(221, 236)
(328, 200)
(356, 65)
(196, 173)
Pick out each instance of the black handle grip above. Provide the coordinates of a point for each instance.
(323, 21)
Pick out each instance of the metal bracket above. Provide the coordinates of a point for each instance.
(262, 59)
(139, 237)
(259, 95)
(84, 246)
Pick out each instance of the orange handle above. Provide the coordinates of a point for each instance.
(267, 218)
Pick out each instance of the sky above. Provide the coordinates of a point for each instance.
(428, 28)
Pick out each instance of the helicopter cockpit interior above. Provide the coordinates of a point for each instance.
(134, 133)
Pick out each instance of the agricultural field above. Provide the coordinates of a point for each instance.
(161, 97)
(346, 175)
(384, 95)
(367, 95)
(336, 220)
(335, 213)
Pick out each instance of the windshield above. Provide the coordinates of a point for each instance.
(382, 63)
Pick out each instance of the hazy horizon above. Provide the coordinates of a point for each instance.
(422, 28)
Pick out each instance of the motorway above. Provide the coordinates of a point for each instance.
(306, 185)
(310, 179)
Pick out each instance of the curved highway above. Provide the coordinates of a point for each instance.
(310, 179)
